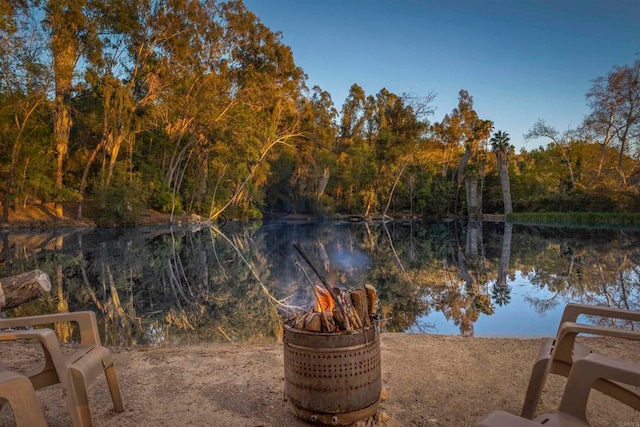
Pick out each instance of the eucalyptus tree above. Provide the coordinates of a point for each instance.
(600, 124)
(72, 38)
(463, 129)
(352, 119)
(304, 168)
(206, 85)
(378, 137)
(124, 83)
(501, 147)
(154, 65)
(474, 179)
(266, 87)
(144, 43)
(193, 96)
(24, 83)
(388, 135)
(401, 123)
(561, 142)
(353, 154)
(614, 119)
(69, 36)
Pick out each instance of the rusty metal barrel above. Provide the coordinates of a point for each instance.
(333, 378)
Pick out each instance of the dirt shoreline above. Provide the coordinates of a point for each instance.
(430, 380)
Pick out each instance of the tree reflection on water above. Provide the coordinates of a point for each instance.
(172, 286)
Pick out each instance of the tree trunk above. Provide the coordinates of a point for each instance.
(504, 181)
(113, 151)
(17, 290)
(473, 205)
(322, 184)
(64, 50)
(204, 175)
(462, 166)
(61, 130)
(85, 177)
(460, 176)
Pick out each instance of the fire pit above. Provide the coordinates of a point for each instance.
(333, 378)
(332, 356)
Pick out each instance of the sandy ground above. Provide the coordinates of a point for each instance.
(429, 381)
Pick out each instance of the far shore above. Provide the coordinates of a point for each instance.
(40, 217)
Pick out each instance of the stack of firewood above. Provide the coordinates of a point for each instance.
(340, 310)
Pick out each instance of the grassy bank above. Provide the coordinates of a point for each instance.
(580, 219)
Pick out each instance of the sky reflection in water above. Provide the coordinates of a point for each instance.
(517, 319)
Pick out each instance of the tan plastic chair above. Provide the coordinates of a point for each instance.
(18, 391)
(585, 373)
(558, 354)
(74, 370)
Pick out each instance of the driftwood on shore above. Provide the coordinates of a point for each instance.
(22, 288)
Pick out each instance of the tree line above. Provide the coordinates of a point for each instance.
(117, 107)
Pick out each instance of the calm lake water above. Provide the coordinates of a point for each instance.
(180, 285)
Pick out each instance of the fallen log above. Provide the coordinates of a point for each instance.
(22, 288)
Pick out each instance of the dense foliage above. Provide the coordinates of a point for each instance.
(197, 107)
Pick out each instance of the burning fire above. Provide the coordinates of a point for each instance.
(324, 300)
(338, 310)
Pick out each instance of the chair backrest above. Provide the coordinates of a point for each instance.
(86, 321)
(573, 311)
(568, 332)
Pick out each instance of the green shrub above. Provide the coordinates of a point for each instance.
(122, 202)
(160, 198)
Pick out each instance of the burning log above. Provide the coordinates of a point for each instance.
(340, 310)
(341, 323)
(313, 322)
(336, 309)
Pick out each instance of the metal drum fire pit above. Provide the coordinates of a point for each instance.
(333, 378)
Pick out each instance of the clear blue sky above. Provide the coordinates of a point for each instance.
(521, 60)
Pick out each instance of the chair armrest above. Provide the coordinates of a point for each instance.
(572, 328)
(568, 331)
(86, 321)
(588, 370)
(572, 311)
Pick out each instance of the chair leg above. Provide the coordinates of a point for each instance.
(114, 389)
(77, 400)
(537, 380)
(23, 402)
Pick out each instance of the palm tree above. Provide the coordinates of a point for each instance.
(501, 147)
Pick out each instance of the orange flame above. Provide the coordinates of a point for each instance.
(325, 301)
